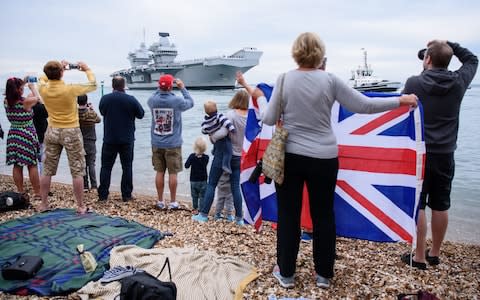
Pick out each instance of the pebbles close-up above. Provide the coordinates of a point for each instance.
(363, 269)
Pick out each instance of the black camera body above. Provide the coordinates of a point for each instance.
(256, 174)
(73, 66)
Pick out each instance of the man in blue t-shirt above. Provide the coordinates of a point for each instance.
(166, 133)
(119, 112)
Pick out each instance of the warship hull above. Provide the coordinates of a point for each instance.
(194, 77)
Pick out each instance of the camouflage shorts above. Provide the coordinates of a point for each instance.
(55, 140)
(171, 159)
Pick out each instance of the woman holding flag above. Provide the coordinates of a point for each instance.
(311, 153)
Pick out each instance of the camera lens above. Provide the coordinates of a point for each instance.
(256, 172)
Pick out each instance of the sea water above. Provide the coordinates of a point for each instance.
(464, 224)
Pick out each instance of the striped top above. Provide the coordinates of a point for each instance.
(216, 121)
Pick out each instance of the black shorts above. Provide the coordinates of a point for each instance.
(437, 184)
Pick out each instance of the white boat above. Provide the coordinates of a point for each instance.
(147, 65)
(363, 79)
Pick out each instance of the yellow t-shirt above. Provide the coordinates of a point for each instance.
(61, 100)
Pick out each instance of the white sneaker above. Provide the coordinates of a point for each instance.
(173, 205)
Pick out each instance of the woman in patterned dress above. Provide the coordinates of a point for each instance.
(22, 141)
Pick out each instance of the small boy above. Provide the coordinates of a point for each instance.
(198, 160)
(88, 118)
(213, 122)
(224, 199)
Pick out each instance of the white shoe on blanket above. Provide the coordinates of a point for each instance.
(118, 273)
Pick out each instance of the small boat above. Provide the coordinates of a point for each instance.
(363, 79)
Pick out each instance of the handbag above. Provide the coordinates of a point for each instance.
(25, 267)
(143, 286)
(273, 160)
(13, 201)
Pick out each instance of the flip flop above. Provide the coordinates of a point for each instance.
(38, 210)
(87, 210)
(432, 260)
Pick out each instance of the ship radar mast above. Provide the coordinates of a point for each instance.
(367, 70)
(164, 52)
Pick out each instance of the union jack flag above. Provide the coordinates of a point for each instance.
(381, 160)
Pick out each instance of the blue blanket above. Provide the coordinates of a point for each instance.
(54, 236)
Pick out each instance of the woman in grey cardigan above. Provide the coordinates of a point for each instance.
(311, 154)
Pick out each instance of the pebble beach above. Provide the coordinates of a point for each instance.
(363, 270)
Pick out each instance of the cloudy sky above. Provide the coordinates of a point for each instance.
(101, 33)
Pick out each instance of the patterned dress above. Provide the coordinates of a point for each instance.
(22, 141)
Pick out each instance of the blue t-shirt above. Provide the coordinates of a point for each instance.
(167, 108)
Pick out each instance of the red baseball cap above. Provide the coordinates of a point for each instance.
(166, 81)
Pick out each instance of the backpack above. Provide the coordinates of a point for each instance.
(143, 286)
(13, 201)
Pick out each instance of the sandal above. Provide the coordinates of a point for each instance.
(407, 258)
(41, 209)
(432, 260)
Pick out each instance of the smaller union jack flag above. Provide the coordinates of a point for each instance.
(381, 159)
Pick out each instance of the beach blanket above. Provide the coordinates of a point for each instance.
(54, 236)
(197, 274)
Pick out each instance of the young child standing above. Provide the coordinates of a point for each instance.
(88, 118)
(215, 121)
(224, 199)
(198, 160)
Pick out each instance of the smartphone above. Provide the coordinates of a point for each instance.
(32, 79)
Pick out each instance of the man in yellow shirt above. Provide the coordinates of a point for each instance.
(63, 127)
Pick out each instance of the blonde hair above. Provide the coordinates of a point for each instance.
(308, 50)
(210, 107)
(200, 146)
(239, 100)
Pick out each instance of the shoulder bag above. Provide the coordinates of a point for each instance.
(273, 160)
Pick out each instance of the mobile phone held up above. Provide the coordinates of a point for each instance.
(31, 79)
(72, 66)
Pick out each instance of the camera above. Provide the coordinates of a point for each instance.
(256, 174)
(31, 79)
(73, 66)
(421, 53)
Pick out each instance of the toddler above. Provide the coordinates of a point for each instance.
(224, 199)
(198, 160)
(213, 122)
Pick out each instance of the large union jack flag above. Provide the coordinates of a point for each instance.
(381, 160)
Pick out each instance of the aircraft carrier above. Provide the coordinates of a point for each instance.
(147, 65)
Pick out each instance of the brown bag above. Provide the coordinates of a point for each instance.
(273, 160)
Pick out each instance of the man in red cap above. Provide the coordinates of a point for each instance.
(166, 133)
